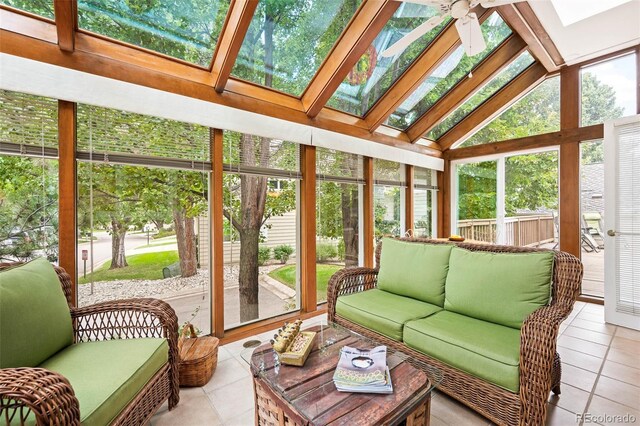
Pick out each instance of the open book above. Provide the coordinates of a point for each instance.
(363, 371)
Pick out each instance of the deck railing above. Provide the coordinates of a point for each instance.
(533, 230)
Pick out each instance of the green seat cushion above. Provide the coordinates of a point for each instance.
(483, 349)
(416, 270)
(383, 312)
(107, 375)
(503, 288)
(35, 321)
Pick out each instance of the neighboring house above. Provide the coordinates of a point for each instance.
(592, 188)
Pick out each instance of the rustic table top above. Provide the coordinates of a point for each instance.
(310, 391)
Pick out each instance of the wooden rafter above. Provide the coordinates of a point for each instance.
(66, 13)
(524, 21)
(356, 38)
(494, 105)
(467, 87)
(420, 69)
(231, 38)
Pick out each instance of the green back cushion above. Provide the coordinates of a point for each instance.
(35, 322)
(502, 288)
(415, 270)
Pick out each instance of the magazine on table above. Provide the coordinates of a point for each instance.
(363, 371)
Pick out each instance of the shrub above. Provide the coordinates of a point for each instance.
(326, 251)
(264, 254)
(282, 253)
(341, 250)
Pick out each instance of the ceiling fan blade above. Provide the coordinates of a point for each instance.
(433, 3)
(470, 34)
(494, 3)
(412, 36)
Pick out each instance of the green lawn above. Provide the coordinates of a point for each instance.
(287, 276)
(159, 243)
(147, 266)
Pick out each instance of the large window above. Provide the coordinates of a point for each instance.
(143, 226)
(423, 203)
(39, 7)
(608, 90)
(28, 177)
(388, 198)
(261, 228)
(476, 200)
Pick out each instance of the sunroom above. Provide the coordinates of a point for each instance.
(319, 212)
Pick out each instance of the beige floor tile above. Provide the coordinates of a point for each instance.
(452, 412)
(621, 372)
(578, 377)
(191, 411)
(618, 391)
(628, 333)
(228, 371)
(594, 326)
(589, 316)
(591, 336)
(594, 308)
(245, 419)
(436, 421)
(584, 346)
(628, 345)
(232, 399)
(557, 416)
(571, 399)
(623, 357)
(562, 328)
(223, 354)
(580, 359)
(601, 407)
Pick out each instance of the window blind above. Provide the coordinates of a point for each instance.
(627, 219)
(388, 173)
(422, 178)
(260, 156)
(28, 124)
(338, 166)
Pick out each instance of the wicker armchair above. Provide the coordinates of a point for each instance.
(50, 397)
(540, 367)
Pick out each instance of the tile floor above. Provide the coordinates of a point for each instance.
(601, 375)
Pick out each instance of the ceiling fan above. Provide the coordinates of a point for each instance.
(467, 24)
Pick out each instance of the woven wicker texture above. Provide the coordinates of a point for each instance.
(51, 397)
(198, 357)
(539, 363)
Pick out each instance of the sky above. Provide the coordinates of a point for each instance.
(620, 74)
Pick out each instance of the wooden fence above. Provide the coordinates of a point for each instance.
(532, 230)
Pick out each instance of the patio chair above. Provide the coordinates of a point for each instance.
(593, 225)
(588, 243)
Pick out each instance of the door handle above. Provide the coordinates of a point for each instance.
(611, 233)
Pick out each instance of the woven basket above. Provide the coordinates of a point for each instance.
(198, 357)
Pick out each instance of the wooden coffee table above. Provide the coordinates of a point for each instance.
(287, 395)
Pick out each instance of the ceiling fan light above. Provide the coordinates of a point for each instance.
(459, 9)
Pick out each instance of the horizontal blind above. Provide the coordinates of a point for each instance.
(338, 166)
(28, 124)
(422, 178)
(388, 173)
(111, 132)
(260, 156)
(628, 218)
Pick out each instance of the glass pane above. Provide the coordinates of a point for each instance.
(592, 201)
(388, 206)
(608, 90)
(496, 83)
(337, 230)
(531, 200)
(453, 69)
(39, 7)
(389, 171)
(288, 40)
(261, 237)
(374, 74)
(187, 30)
(535, 113)
(477, 191)
(422, 212)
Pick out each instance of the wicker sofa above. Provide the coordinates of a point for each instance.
(509, 383)
(109, 363)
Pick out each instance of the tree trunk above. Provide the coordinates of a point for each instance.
(350, 224)
(186, 238)
(248, 277)
(118, 232)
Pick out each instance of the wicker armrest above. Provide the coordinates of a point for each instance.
(46, 394)
(348, 281)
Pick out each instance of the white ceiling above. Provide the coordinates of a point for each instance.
(605, 32)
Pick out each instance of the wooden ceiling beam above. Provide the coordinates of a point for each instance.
(66, 14)
(233, 32)
(494, 105)
(522, 19)
(434, 55)
(467, 87)
(369, 20)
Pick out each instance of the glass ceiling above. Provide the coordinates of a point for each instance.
(288, 40)
(500, 80)
(373, 74)
(183, 29)
(453, 69)
(39, 7)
